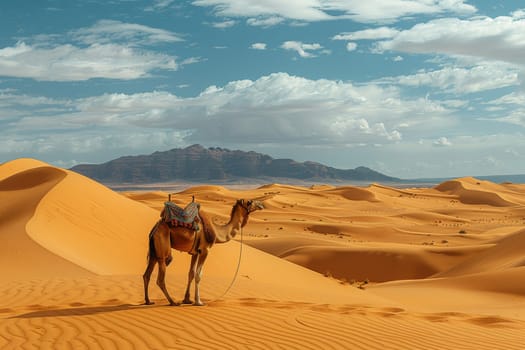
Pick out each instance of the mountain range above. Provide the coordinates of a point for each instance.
(197, 163)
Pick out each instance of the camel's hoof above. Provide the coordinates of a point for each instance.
(174, 304)
(200, 303)
(148, 303)
(187, 301)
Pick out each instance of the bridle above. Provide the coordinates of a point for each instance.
(242, 204)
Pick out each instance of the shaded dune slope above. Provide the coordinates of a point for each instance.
(472, 191)
(23, 183)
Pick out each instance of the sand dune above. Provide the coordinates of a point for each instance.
(92, 226)
(377, 262)
(444, 267)
(470, 192)
(354, 193)
(23, 184)
(506, 253)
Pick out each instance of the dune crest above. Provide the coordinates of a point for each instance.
(473, 191)
(23, 184)
(354, 193)
(92, 226)
(18, 165)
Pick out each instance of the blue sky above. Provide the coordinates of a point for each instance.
(411, 88)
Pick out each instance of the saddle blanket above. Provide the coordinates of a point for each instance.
(179, 217)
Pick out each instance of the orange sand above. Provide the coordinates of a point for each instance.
(445, 267)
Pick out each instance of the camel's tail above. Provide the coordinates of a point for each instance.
(151, 251)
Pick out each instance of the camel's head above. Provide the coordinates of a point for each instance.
(250, 205)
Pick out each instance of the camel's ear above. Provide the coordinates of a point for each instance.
(256, 205)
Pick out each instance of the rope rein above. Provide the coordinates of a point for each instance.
(234, 276)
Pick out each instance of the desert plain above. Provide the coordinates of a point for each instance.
(321, 267)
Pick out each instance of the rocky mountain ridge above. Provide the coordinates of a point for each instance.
(197, 163)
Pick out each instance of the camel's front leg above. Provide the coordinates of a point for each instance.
(147, 274)
(202, 258)
(191, 275)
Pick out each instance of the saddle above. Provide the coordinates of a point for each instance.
(176, 216)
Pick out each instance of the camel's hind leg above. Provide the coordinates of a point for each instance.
(146, 277)
(159, 253)
(162, 283)
(191, 276)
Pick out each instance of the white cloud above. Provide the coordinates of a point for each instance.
(496, 39)
(514, 98)
(516, 117)
(442, 142)
(472, 156)
(392, 10)
(108, 49)
(275, 109)
(351, 46)
(72, 63)
(132, 34)
(258, 46)
(518, 13)
(368, 34)
(511, 108)
(224, 24)
(308, 10)
(264, 22)
(191, 60)
(278, 113)
(321, 10)
(160, 5)
(301, 48)
(462, 80)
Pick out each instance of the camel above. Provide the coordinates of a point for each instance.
(163, 238)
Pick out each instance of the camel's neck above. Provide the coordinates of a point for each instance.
(225, 233)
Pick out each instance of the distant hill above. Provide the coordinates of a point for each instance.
(196, 163)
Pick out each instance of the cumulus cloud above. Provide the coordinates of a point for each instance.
(304, 50)
(496, 39)
(442, 142)
(274, 109)
(321, 10)
(277, 113)
(351, 46)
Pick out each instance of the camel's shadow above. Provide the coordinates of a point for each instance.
(84, 311)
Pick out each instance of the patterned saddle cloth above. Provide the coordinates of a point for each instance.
(179, 217)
